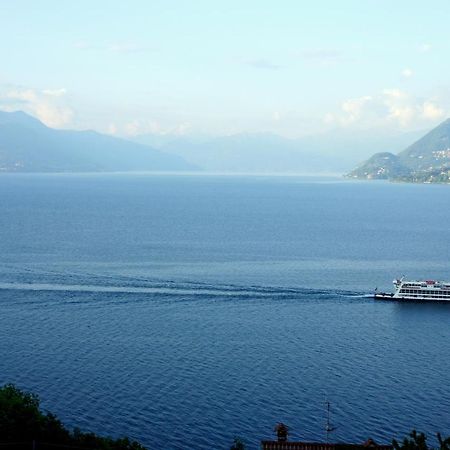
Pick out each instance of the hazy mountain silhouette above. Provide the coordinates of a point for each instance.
(334, 152)
(27, 145)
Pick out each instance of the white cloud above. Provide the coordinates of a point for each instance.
(408, 110)
(55, 92)
(354, 108)
(407, 73)
(47, 105)
(112, 129)
(391, 107)
(399, 106)
(139, 126)
(432, 111)
(424, 48)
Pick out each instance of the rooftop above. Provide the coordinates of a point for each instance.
(285, 445)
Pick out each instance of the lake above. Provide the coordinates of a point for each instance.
(185, 310)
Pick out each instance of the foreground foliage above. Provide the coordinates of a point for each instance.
(238, 444)
(418, 441)
(21, 420)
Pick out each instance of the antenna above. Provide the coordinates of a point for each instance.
(328, 427)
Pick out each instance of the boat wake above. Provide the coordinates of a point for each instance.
(127, 289)
(181, 289)
(360, 295)
(32, 280)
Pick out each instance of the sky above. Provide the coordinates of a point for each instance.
(293, 68)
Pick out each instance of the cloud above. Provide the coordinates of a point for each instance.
(355, 108)
(47, 105)
(55, 92)
(140, 126)
(276, 116)
(407, 73)
(424, 48)
(432, 111)
(262, 64)
(400, 107)
(137, 127)
(112, 129)
(390, 107)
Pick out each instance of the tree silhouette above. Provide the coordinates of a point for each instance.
(444, 444)
(418, 441)
(415, 441)
(237, 445)
(21, 420)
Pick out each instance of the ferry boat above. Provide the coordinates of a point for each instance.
(429, 290)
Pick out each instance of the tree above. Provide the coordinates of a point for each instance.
(415, 441)
(444, 444)
(418, 441)
(237, 444)
(22, 420)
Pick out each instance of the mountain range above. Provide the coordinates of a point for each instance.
(426, 160)
(334, 152)
(27, 145)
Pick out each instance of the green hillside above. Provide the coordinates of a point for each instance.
(426, 160)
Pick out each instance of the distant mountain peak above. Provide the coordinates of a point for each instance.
(20, 118)
(27, 145)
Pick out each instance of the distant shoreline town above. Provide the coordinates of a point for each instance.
(425, 161)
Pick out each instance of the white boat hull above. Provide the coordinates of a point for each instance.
(392, 297)
(417, 291)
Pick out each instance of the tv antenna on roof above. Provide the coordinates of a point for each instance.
(328, 427)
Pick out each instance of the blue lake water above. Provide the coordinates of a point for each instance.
(185, 310)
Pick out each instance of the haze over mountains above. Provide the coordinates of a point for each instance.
(334, 152)
(27, 145)
(426, 160)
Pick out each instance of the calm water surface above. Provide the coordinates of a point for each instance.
(183, 311)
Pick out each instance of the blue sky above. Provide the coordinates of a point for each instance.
(289, 67)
